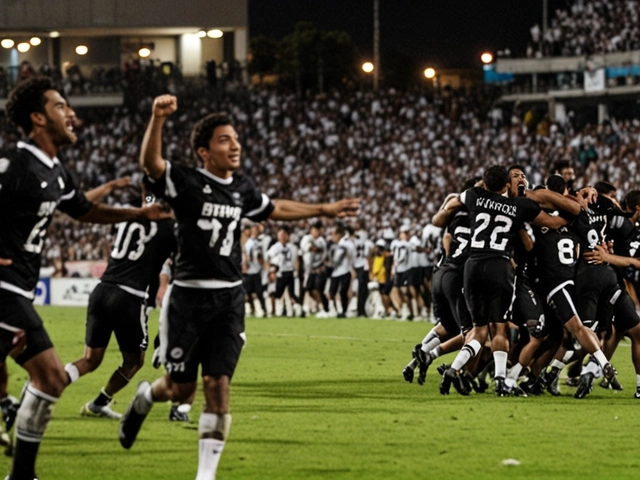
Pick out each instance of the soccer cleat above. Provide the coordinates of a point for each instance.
(611, 374)
(89, 409)
(516, 391)
(637, 394)
(572, 381)
(407, 373)
(424, 361)
(134, 416)
(175, 415)
(551, 382)
(585, 386)
(9, 407)
(502, 389)
(442, 368)
(447, 379)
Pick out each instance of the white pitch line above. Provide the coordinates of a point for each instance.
(325, 337)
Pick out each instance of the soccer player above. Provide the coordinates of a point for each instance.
(343, 255)
(488, 275)
(254, 262)
(205, 317)
(33, 184)
(118, 305)
(364, 250)
(314, 256)
(401, 250)
(284, 258)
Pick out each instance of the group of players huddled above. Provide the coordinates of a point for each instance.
(533, 279)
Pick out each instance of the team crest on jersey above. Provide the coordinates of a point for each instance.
(207, 190)
(43, 184)
(177, 353)
(60, 182)
(4, 164)
(237, 198)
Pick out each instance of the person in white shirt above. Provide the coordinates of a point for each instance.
(401, 251)
(314, 256)
(283, 256)
(342, 260)
(364, 250)
(419, 264)
(432, 241)
(253, 258)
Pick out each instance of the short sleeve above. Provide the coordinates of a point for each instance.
(256, 206)
(9, 177)
(532, 211)
(468, 197)
(73, 201)
(171, 184)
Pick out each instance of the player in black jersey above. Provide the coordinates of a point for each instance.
(205, 315)
(488, 275)
(33, 184)
(118, 305)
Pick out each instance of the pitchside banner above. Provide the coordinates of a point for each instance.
(72, 292)
(43, 289)
(594, 81)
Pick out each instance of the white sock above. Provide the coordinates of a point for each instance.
(591, 367)
(430, 336)
(72, 371)
(436, 352)
(514, 372)
(599, 356)
(209, 453)
(557, 364)
(500, 360)
(567, 356)
(638, 380)
(430, 345)
(469, 350)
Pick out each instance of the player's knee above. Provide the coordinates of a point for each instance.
(214, 426)
(34, 414)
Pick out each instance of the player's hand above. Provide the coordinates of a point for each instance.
(342, 208)
(590, 194)
(598, 255)
(155, 211)
(119, 183)
(5, 262)
(164, 105)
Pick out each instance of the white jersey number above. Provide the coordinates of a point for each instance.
(503, 225)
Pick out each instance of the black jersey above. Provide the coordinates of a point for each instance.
(139, 252)
(556, 255)
(495, 220)
(32, 187)
(208, 210)
(460, 232)
(590, 225)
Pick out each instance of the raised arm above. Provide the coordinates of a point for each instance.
(553, 222)
(151, 159)
(292, 210)
(441, 218)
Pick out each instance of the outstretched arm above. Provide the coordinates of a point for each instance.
(151, 159)
(292, 210)
(601, 255)
(101, 213)
(549, 199)
(96, 195)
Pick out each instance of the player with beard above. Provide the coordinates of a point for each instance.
(205, 314)
(33, 184)
(488, 275)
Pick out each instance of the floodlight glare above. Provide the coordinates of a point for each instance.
(82, 49)
(429, 73)
(7, 43)
(486, 57)
(35, 41)
(23, 47)
(367, 67)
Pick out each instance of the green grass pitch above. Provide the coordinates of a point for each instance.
(325, 399)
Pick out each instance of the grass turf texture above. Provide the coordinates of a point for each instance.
(325, 399)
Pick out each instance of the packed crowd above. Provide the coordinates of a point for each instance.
(400, 152)
(588, 27)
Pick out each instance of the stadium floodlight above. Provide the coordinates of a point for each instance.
(23, 47)
(486, 58)
(82, 49)
(144, 52)
(429, 73)
(35, 41)
(367, 67)
(54, 34)
(202, 34)
(215, 33)
(7, 43)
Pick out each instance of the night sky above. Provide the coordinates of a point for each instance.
(440, 33)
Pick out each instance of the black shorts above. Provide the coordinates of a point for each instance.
(112, 310)
(253, 284)
(339, 284)
(597, 291)
(402, 279)
(17, 311)
(449, 306)
(489, 289)
(624, 313)
(417, 277)
(428, 272)
(316, 282)
(385, 288)
(285, 281)
(527, 305)
(203, 327)
(561, 299)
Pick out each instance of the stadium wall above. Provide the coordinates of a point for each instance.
(64, 14)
